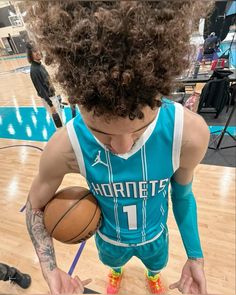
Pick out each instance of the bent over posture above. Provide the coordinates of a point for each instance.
(117, 60)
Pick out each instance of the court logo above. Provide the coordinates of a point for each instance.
(98, 160)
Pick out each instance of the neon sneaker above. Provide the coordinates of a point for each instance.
(114, 280)
(155, 285)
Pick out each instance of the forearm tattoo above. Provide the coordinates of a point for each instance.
(41, 240)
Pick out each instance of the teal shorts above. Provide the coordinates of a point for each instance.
(154, 255)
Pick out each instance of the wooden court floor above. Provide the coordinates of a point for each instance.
(214, 187)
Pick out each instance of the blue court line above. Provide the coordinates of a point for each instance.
(77, 256)
(12, 57)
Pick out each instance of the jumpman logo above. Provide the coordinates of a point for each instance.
(98, 160)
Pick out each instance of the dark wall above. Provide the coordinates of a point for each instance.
(4, 13)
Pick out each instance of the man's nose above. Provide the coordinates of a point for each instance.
(121, 144)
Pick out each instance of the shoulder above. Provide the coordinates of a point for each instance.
(58, 155)
(195, 139)
(34, 68)
(194, 123)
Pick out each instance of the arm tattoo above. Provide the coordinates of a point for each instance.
(41, 240)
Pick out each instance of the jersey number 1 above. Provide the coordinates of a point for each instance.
(132, 216)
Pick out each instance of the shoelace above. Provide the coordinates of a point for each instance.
(156, 282)
(113, 282)
(157, 285)
(113, 278)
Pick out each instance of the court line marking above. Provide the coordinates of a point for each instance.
(76, 259)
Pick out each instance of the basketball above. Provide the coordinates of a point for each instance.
(73, 215)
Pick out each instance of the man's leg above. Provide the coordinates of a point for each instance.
(115, 257)
(73, 110)
(56, 100)
(154, 256)
(56, 118)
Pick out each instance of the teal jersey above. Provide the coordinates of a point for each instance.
(132, 188)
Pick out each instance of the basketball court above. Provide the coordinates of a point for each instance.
(25, 127)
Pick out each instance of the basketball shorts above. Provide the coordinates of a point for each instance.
(154, 255)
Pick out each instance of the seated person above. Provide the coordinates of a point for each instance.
(210, 46)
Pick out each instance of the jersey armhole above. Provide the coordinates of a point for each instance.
(76, 146)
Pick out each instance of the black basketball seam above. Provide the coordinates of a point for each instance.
(67, 241)
(68, 212)
(90, 235)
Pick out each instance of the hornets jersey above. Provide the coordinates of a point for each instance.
(132, 188)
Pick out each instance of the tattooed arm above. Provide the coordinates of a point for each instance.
(41, 240)
(56, 161)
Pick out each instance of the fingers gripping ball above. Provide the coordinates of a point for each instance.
(73, 215)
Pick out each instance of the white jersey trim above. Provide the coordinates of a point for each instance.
(116, 243)
(178, 133)
(76, 146)
(140, 142)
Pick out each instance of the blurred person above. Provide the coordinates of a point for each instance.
(211, 44)
(43, 85)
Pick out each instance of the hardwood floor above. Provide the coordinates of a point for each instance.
(214, 188)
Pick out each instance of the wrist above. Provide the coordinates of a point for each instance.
(196, 260)
(47, 274)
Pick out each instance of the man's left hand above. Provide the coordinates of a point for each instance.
(192, 279)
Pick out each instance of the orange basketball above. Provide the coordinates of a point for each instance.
(73, 215)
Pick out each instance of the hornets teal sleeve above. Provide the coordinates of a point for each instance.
(185, 212)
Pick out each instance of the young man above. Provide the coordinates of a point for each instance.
(43, 84)
(116, 60)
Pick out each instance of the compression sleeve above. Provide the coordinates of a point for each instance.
(185, 212)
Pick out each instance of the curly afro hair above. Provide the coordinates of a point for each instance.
(115, 57)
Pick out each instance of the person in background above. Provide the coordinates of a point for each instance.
(43, 84)
(118, 60)
(47, 61)
(211, 47)
(13, 275)
(211, 43)
(73, 110)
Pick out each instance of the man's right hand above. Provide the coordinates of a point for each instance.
(60, 282)
(53, 110)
